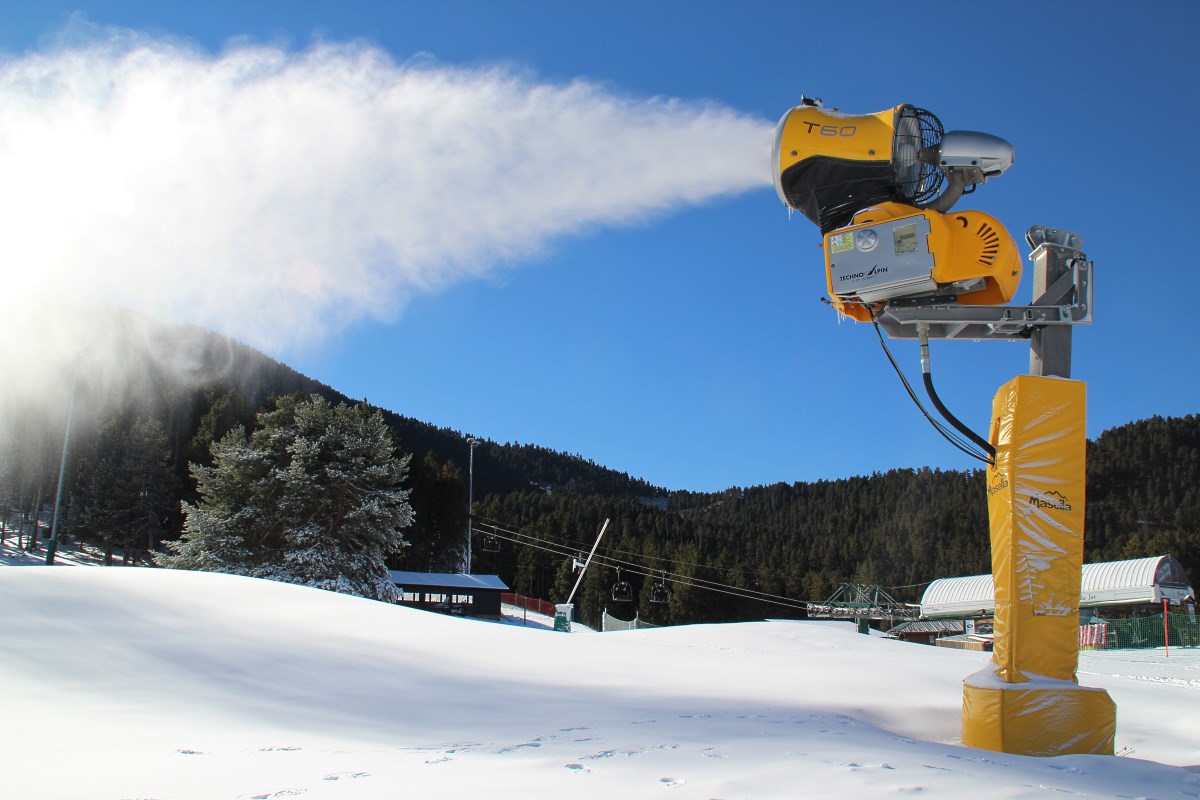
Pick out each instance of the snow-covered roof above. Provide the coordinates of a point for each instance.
(1139, 580)
(448, 580)
(1131, 581)
(958, 597)
(938, 626)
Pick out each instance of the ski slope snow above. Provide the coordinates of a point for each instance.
(149, 683)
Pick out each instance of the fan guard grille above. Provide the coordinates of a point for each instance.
(914, 154)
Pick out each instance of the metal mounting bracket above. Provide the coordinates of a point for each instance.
(1066, 301)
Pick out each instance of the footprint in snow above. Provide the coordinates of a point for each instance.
(461, 748)
(190, 752)
(1073, 770)
(610, 754)
(345, 776)
(672, 782)
(944, 769)
(981, 760)
(579, 769)
(601, 754)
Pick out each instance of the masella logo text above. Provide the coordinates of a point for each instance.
(1050, 500)
(998, 484)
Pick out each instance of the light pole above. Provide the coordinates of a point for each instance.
(473, 442)
(52, 545)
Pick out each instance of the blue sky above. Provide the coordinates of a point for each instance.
(681, 339)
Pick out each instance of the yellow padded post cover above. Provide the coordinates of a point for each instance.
(1037, 718)
(1035, 505)
(1028, 701)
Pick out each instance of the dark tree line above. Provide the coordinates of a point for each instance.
(1144, 492)
(744, 553)
(748, 553)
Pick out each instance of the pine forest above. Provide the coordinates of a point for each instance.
(153, 452)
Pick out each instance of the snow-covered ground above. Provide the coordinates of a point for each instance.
(145, 683)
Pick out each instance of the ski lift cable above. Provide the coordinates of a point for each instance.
(909, 585)
(540, 544)
(784, 602)
(733, 591)
(485, 521)
(566, 542)
(724, 588)
(691, 581)
(641, 570)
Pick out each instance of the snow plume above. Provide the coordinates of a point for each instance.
(278, 196)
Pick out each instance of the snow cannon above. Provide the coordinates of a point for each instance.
(879, 187)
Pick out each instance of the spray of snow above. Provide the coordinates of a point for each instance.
(277, 196)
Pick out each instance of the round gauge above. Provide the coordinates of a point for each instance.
(866, 239)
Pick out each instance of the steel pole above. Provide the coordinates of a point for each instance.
(1053, 254)
(583, 571)
(470, 499)
(52, 545)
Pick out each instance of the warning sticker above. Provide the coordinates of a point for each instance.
(841, 242)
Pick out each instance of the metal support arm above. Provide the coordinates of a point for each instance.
(1065, 300)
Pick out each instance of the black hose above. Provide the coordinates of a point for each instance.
(949, 436)
(953, 420)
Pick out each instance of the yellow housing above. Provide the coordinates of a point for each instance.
(974, 258)
(807, 131)
(829, 165)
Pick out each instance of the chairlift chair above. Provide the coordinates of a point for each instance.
(489, 544)
(622, 592)
(659, 592)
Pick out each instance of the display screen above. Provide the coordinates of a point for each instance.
(906, 238)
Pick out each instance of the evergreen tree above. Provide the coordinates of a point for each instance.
(9, 496)
(564, 581)
(227, 410)
(685, 597)
(438, 532)
(126, 491)
(314, 496)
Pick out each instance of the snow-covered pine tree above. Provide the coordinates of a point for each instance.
(313, 496)
(236, 522)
